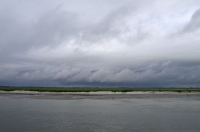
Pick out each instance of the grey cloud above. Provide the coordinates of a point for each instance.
(59, 47)
(194, 23)
(50, 29)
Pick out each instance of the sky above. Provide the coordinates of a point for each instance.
(103, 43)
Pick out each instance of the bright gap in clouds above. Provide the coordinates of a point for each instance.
(134, 43)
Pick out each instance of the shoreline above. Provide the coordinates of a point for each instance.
(97, 95)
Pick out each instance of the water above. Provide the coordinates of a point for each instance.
(87, 115)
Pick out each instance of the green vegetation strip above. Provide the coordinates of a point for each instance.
(75, 89)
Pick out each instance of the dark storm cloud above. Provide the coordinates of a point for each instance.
(129, 43)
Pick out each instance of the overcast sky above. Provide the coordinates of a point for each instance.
(135, 43)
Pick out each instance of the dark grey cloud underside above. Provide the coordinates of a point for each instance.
(173, 75)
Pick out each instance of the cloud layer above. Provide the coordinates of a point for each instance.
(135, 43)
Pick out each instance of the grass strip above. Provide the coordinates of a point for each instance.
(85, 89)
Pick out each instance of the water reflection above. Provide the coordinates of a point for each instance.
(141, 115)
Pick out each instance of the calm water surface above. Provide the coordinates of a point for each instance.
(119, 115)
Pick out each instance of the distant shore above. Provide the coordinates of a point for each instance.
(96, 89)
(98, 94)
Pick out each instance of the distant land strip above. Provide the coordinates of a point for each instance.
(96, 89)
